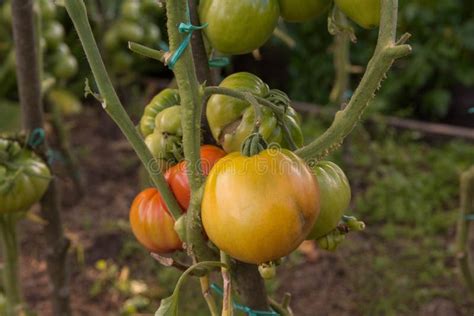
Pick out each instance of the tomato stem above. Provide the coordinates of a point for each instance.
(10, 266)
(386, 52)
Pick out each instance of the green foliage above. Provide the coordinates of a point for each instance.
(422, 84)
(406, 191)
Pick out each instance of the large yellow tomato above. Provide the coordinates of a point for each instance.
(259, 208)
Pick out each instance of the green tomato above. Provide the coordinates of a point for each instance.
(53, 33)
(165, 99)
(303, 10)
(65, 66)
(130, 31)
(168, 121)
(335, 196)
(161, 126)
(130, 10)
(122, 61)
(111, 39)
(152, 7)
(48, 9)
(238, 27)
(366, 13)
(24, 177)
(232, 120)
(152, 34)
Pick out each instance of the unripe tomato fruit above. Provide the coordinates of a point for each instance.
(53, 34)
(24, 177)
(335, 194)
(177, 177)
(302, 10)
(259, 208)
(366, 13)
(232, 120)
(152, 224)
(238, 27)
(65, 66)
(130, 31)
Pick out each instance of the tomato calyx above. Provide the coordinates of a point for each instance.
(253, 145)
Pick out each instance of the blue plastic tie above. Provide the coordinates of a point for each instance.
(245, 309)
(469, 217)
(471, 110)
(36, 137)
(219, 62)
(183, 28)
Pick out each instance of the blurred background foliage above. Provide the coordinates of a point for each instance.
(425, 85)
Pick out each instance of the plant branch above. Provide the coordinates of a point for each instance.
(201, 65)
(227, 305)
(147, 51)
(191, 103)
(10, 273)
(385, 54)
(342, 63)
(112, 105)
(467, 209)
(206, 293)
(29, 88)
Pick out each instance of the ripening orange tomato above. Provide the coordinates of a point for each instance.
(177, 177)
(152, 224)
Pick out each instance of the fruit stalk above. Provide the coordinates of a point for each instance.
(386, 52)
(29, 89)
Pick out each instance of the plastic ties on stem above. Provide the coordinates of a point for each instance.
(471, 110)
(243, 308)
(469, 217)
(218, 62)
(36, 137)
(183, 28)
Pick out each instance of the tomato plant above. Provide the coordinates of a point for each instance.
(335, 194)
(232, 120)
(152, 224)
(259, 208)
(366, 13)
(24, 177)
(178, 179)
(238, 27)
(302, 10)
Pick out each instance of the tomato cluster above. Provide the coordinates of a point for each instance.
(256, 207)
(239, 27)
(60, 62)
(136, 23)
(259, 201)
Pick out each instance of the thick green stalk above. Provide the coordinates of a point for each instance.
(191, 103)
(112, 105)
(467, 209)
(386, 51)
(10, 273)
(342, 63)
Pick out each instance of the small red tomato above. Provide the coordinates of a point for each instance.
(152, 223)
(178, 179)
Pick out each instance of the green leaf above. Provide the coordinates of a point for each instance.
(169, 305)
